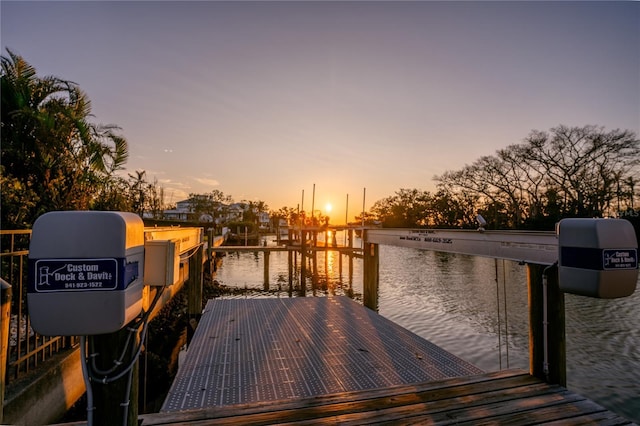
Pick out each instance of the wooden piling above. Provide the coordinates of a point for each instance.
(266, 270)
(109, 398)
(211, 256)
(552, 366)
(290, 271)
(314, 269)
(326, 270)
(370, 275)
(194, 284)
(5, 319)
(303, 263)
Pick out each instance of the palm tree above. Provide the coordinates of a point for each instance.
(50, 148)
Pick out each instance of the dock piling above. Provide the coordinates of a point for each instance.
(266, 270)
(108, 398)
(194, 284)
(371, 274)
(547, 360)
(5, 319)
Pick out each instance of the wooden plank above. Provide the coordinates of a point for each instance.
(392, 407)
(512, 400)
(387, 404)
(490, 413)
(579, 411)
(490, 381)
(454, 409)
(603, 418)
(504, 378)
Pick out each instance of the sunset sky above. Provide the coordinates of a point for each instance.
(262, 100)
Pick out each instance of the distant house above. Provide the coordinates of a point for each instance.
(235, 212)
(221, 214)
(264, 220)
(183, 211)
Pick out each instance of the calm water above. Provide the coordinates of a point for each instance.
(456, 302)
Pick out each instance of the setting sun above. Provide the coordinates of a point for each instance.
(328, 207)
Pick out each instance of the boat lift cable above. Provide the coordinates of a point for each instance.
(146, 371)
(93, 374)
(506, 316)
(127, 396)
(191, 252)
(545, 322)
(87, 380)
(498, 310)
(144, 321)
(116, 362)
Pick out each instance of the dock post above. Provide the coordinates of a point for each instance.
(266, 269)
(108, 398)
(211, 255)
(370, 274)
(314, 269)
(546, 361)
(290, 270)
(303, 263)
(5, 319)
(194, 304)
(326, 271)
(350, 268)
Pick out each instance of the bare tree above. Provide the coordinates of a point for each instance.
(583, 164)
(568, 171)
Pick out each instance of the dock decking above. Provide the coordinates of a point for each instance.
(248, 350)
(506, 397)
(330, 360)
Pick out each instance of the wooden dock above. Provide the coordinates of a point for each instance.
(506, 397)
(332, 361)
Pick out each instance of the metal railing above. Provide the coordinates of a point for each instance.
(26, 349)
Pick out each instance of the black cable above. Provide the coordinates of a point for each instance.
(105, 379)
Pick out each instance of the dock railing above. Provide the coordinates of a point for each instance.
(26, 349)
(23, 350)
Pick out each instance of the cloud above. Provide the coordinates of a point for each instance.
(208, 182)
(174, 184)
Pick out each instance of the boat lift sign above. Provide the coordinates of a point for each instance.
(599, 259)
(59, 275)
(620, 259)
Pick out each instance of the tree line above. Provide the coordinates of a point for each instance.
(564, 172)
(54, 157)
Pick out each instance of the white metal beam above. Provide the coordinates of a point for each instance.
(521, 246)
(187, 238)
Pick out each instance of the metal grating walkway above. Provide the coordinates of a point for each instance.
(249, 350)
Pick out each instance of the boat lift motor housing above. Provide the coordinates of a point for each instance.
(85, 272)
(597, 257)
(162, 262)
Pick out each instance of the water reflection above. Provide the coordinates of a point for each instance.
(453, 301)
(475, 308)
(328, 274)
